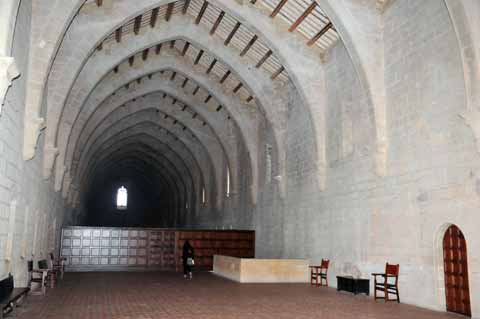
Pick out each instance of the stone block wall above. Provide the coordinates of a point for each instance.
(31, 213)
(362, 220)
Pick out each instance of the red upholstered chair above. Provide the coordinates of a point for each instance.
(388, 282)
(319, 273)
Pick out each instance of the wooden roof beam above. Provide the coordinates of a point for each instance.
(99, 3)
(201, 12)
(278, 8)
(210, 68)
(305, 14)
(158, 48)
(154, 17)
(168, 15)
(137, 24)
(217, 23)
(185, 48)
(199, 56)
(320, 33)
(185, 6)
(145, 54)
(225, 76)
(118, 35)
(249, 45)
(232, 33)
(265, 58)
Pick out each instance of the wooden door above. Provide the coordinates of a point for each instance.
(456, 271)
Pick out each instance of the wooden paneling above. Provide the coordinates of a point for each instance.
(208, 243)
(456, 271)
(108, 248)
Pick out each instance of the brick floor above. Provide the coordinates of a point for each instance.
(167, 295)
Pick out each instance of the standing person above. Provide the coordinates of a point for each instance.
(187, 259)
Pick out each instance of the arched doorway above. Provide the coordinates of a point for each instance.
(456, 271)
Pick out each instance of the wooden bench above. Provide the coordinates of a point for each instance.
(10, 296)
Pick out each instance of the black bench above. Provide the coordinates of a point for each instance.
(9, 296)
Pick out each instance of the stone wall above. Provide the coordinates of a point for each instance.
(31, 214)
(362, 220)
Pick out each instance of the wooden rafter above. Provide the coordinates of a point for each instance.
(201, 12)
(185, 48)
(145, 54)
(99, 2)
(208, 98)
(232, 33)
(168, 15)
(185, 6)
(249, 45)
(225, 76)
(305, 14)
(184, 83)
(265, 58)
(217, 23)
(131, 60)
(199, 56)
(210, 68)
(137, 24)
(154, 17)
(196, 90)
(277, 73)
(320, 33)
(118, 35)
(172, 44)
(158, 48)
(278, 8)
(238, 87)
(172, 77)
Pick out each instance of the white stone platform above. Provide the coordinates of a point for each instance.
(252, 270)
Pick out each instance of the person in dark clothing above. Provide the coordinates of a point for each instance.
(187, 259)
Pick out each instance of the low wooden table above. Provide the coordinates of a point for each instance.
(353, 285)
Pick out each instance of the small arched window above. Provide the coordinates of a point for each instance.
(228, 182)
(122, 197)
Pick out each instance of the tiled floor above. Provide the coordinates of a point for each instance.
(168, 295)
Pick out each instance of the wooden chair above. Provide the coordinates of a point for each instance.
(319, 272)
(42, 275)
(38, 276)
(387, 286)
(57, 266)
